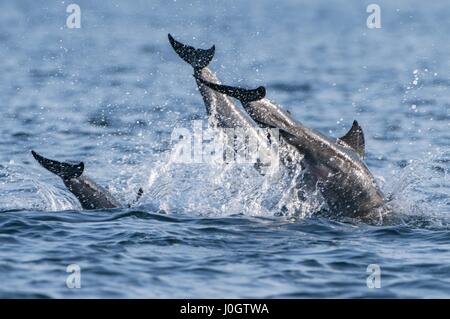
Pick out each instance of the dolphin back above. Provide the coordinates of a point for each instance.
(198, 58)
(64, 170)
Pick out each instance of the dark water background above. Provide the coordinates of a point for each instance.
(111, 93)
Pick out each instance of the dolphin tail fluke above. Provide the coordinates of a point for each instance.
(139, 194)
(138, 197)
(243, 95)
(64, 170)
(198, 58)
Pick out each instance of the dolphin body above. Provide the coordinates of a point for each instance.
(89, 194)
(222, 112)
(335, 167)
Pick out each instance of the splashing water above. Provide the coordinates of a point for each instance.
(21, 189)
(410, 187)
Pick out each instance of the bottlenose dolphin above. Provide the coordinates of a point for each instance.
(222, 112)
(335, 167)
(219, 107)
(90, 195)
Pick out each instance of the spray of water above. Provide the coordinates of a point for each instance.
(21, 188)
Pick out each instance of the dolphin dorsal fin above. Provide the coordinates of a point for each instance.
(355, 138)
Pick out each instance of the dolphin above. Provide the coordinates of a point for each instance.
(89, 194)
(335, 167)
(222, 112)
(219, 107)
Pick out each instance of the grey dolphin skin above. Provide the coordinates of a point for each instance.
(222, 112)
(90, 195)
(334, 166)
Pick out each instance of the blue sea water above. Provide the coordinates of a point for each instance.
(111, 93)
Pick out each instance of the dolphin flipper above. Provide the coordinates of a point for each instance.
(198, 58)
(355, 138)
(243, 95)
(64, 170)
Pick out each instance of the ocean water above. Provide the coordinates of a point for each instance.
(110, 94)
